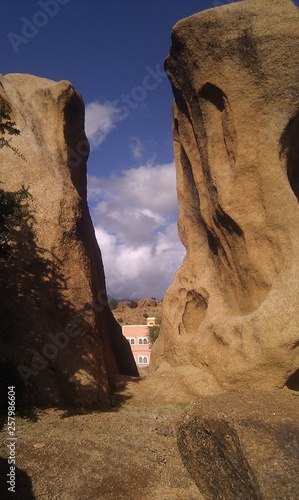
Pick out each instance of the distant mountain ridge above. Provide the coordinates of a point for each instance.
(127, 315)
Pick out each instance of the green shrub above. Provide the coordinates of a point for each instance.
(153, 333)
(133, 304)
(113, 303)
(13, 209)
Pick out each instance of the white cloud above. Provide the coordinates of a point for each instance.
(136, 147)
(100, 120)
(135, 222)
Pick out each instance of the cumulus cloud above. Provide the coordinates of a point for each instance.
(135, 214)
(100, 120)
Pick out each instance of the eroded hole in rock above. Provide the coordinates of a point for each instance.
(213, 94)
(293, 381)
(213, 243)
(181, 104)
(225, 221)
(188, 174)
(290, 151)
(175, 128)
(195, 311)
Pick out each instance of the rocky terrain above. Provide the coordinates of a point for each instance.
(243, 445)
(127, 315)
(123, 452)
(145, 444)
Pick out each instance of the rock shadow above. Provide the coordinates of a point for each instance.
(40, 329)
(290, 151)
(293, 381)
(23, 485)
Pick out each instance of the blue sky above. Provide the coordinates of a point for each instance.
(112, 51)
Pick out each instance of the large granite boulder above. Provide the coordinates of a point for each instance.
(58, 336)
(243, 445)
(232, 311)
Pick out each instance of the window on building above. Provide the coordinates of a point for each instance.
(131, 340)
(143, 360)
(142, 340)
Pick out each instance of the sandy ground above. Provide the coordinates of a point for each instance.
(125, 452)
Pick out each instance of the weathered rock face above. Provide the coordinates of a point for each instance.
(233, 308)
(57, 331)
(242, 445)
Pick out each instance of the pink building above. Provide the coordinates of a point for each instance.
(137, 336)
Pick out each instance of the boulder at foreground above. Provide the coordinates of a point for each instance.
(58, 335)
(232, 312)
(243, 445)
